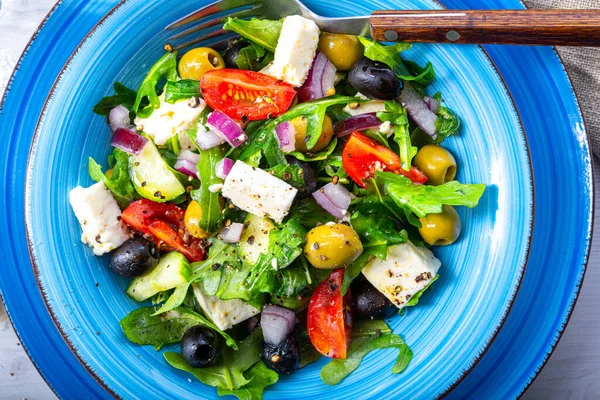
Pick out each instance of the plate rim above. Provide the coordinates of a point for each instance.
(30, 243)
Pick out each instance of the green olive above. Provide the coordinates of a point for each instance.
(332, 246)
(437, 163)
(342, 50)
(440, 229)
(196, 62)
(300, 124)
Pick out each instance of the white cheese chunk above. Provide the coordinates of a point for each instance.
(386, 128)
(171, 119)
(100, 218)
(258, 192)
(295, 50)
(406, 271)
(223, 313)
(372, 106)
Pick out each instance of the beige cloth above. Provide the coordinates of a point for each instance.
(583, 66)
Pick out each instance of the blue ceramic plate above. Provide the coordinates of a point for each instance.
(550, 87)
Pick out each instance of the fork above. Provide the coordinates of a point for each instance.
(530, 27)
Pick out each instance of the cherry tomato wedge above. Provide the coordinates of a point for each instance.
(362, 157)
(246, 94)
(329, 321)
(164, 222)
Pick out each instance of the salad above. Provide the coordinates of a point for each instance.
(273, 203)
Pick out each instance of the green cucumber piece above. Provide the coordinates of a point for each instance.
(171, 271)
(255, 239)
(152, 177)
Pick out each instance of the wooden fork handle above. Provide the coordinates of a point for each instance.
(530, 27)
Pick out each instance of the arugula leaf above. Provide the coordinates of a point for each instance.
(141, 326)
(308, 353)
(183, 89)
(292, 174)
(273, 153)
(209, 201)
(366, 337)
(119, 182)
(216, 248)
(389, 55)
(314, 111)
(253, 57)
(285, 245)
(228, 372)
(447, 122)
(354, 269)
(261, 31)
(415, 299)
(123, 96)
(397, 116)
(308, 213)
(174, 300)
(425, 199)
(377, 233)
(259, 377)
(165, 67)
(318, 156)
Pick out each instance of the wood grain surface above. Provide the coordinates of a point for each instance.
(573, 371)
(531, 27)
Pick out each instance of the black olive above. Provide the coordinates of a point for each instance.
(284, 357)
(233, 52)
(134, 257)
(370, 303)
(374, 79)
(310, 178)
(199, 346)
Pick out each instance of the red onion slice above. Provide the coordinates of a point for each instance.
(432, 103)
(418, 110)
(119, 118)
(285, 133)
(208, 140)
(226, 127)
(223, 167)
(187, 167)
(277, 323)
(232, 233)
(128, 141)
(338, 195)
(359, 122)
(322, 200)
(320, 81)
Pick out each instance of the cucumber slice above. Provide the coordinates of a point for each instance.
(171, 271)
(152, 177)
(255, 239)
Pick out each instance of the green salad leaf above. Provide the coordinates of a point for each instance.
(308, 213)
(447, 122)
(123, 96)
(259, 377)
(209, 201)
(415, 299)
(165, 67)
(318, 156)
(183, 89)
(425, 199)
(119, 182)
(292, 174)
(175, 300)
(253, 57)
(141, 326)
(366, 337)
(263, 32)
(390, 55)
(398, 117)
(377, 233)
(228, 372)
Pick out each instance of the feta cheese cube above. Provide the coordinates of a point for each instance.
(258, 192)
(100, 218)
(406, 271)
(223, 313)
(295, 50)
(171, 119)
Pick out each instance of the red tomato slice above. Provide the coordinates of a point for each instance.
(362, 157)
(246, 94)
(164, 222)
(329, 321)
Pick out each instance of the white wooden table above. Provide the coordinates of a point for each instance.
(572, 373)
